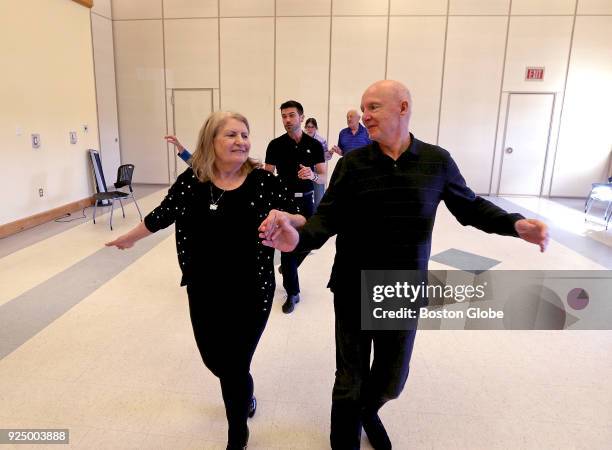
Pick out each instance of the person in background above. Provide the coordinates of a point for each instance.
(182, 152)
(353, 136)
(312, 129)
(217, 206)
(299, 161)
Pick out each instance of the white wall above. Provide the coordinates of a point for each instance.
(303, 75)
(460, 58)
(247, 75)
(585, 139)
(140, 90)
(106, 89)
(472, 79)
(416, 49)
(46, 87)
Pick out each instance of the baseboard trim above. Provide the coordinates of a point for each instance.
(11, 228)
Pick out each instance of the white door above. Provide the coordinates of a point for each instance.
(525, 144)
(190, 108)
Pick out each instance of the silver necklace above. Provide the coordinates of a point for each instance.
(214, 204)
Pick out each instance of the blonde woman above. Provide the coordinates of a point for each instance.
(217, 206)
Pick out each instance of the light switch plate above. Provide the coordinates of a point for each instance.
(73, 137)
(36, 140)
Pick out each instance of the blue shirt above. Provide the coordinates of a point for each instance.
(185, 156)
(347, 141)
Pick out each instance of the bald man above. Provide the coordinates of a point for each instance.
(353, 136)
(382, 202)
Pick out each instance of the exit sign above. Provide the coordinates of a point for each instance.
(534, 73)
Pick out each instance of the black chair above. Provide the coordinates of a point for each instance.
(600, 192)
(124, 178)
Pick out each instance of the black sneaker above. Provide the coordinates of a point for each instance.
(375, 430)
(290, 303)
(252, 407)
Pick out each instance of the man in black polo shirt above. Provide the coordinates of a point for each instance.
(382, 203)
(300, 162)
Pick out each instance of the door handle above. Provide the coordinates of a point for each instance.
(509, 150)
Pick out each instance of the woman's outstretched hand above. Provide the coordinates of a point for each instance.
(128, 239)
(122, 242)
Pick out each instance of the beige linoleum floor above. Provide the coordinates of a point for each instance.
(120, 368)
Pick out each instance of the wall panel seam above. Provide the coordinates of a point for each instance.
(165, 90)
(331, 26)
(137, 20)
(101, 15)
(189, 18)
(117, 93)
(499, 100)
(93, 60)
(274, 78)
(219, 50)
(569, 58)
(442, 75)
(387, 40)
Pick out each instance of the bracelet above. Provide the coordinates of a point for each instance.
(316, 177)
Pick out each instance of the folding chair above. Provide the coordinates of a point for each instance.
(124, 178)
(600, 192)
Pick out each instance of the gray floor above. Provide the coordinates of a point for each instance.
(44, 231)
(574, 203)
(592, 249)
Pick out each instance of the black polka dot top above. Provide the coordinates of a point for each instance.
(217, 241)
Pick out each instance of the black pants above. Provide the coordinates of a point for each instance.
(291, 261)
(227, 336)
(360, 386)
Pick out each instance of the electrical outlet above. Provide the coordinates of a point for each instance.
(35, 140)
(41, 192)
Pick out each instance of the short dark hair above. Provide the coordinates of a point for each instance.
(312, 121)
(293, 104)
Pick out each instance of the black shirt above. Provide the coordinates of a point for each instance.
(227, 242)
(223, 245)
(383, 211)
(287, 155)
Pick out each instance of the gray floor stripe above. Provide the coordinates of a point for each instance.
(466, 261)
(587, 247)
(28, 314)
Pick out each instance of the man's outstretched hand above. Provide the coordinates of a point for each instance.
(276, 231)
(533, 231)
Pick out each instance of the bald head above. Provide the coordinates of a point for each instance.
(352, 119)
(386, 107)
(393, 91)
